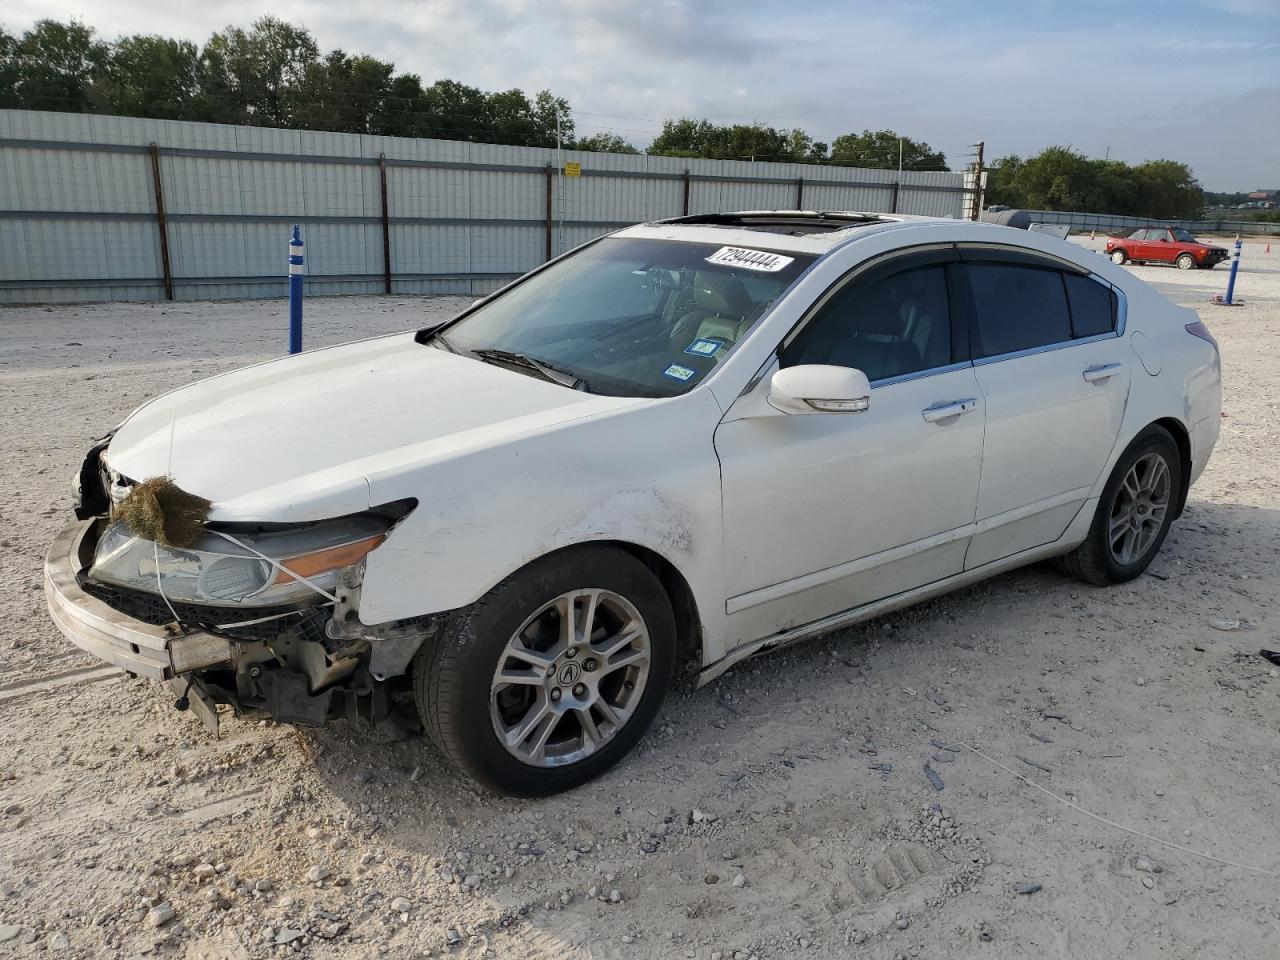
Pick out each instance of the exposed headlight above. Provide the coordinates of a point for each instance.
(220, 572)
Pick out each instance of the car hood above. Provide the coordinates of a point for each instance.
(294, 439)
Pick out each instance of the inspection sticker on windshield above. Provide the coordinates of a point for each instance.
(704, 347)
(749, 259)
(678, 372)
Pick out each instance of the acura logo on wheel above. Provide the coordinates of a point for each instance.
(569, 674)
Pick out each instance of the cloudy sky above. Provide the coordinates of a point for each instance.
(1197, 81)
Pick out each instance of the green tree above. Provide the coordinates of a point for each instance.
(547, 109)
(879, 150)
(683, 138)
(1002, 189)
(687, 137)
(1059, 178)
(454, 111)
(604, 143)
(256, 76)
(53, 66)
(150, 76)
(403, 108)
(1169, 190)
(10, 70)
(802, 148)
(343, 93)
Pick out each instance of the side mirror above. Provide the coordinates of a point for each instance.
(819, 388)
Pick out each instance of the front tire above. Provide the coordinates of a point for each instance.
(1185, 261)
(1134, 512)
(1119, 257)
(550, 678)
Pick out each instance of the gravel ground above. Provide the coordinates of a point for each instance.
(785, 810)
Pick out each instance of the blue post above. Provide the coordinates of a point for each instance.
(1235, 266)
(295, 291)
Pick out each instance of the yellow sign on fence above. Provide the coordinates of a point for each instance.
(572, 168)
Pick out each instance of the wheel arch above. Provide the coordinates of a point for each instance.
(1182, 439)
(690, 630)
(684, 604)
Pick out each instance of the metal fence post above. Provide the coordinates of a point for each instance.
(386, 224)
(893, 203)
(686, 192)
(161, 223)
(799, 193)
(295, 290)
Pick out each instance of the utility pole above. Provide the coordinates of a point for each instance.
(899, 158)
(976, 212)
(560, 188)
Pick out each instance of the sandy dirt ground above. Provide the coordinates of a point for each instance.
(782, 811)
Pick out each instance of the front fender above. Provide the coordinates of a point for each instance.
(646, 476)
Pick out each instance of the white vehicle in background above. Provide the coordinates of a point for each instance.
(680, 445)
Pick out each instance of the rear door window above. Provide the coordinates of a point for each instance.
(1016, 308)
(1093, 306)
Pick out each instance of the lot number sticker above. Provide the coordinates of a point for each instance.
(749, 259)
(679, 372)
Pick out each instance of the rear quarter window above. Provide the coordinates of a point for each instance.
(1093, 306)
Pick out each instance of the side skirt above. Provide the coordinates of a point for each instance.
(878, 608)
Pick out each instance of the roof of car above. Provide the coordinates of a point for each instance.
(802, 231)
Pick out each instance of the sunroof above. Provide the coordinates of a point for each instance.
(799, 224)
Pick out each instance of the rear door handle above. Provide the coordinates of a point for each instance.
(947, 409)
(1101, 372)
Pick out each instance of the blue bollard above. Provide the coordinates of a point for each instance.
(295, 290)
(1231, 280)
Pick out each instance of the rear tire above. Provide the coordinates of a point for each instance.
(1134, 512)
(527, 706)
(1185, 261)
(1119, 257)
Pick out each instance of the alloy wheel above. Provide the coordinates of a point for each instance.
(570, 678)
(1138, 512)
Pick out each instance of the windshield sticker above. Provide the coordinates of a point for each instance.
(705, 347)
(678, 372)
(749, 259)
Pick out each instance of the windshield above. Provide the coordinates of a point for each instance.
(629, 317)
(1183, 236)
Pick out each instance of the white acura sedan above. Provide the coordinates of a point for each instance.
(682, 444)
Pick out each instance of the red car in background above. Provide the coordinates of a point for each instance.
(1165, 245)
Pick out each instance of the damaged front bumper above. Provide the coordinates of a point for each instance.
(300, 675)
(155, 652)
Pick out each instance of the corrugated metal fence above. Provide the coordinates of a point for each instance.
(120, 208)
(1109, 223)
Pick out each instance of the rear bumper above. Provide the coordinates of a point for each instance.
(156, 652)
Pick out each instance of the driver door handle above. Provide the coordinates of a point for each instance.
(947, 409)
(1100, 372)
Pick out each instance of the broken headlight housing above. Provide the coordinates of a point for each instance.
(260, 569)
